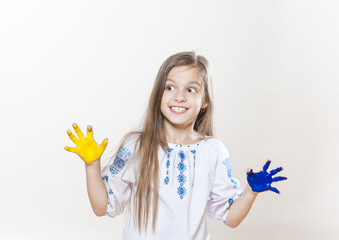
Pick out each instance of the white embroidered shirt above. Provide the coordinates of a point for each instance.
(194, 181)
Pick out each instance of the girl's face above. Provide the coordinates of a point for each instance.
(183, 97)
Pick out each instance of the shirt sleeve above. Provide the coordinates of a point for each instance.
(225, 188)
(118, 178)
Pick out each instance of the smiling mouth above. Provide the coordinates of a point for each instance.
(179, 109)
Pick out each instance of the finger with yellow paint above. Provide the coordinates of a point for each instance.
(86, 147)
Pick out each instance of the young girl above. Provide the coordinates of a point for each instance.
(173, 171)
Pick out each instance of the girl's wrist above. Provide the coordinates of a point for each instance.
(93, 164)
(249, 192)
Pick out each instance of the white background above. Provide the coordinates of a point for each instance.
(275, 73)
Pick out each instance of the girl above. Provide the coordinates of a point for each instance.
(173, 171)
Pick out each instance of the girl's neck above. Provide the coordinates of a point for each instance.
(185, 136)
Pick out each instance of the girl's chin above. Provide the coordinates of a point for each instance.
(179, 124)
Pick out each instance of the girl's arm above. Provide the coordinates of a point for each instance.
(96, 189)
(240, 207)
(90, 152)
(257, 182)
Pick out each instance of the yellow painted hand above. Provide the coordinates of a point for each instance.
(86, 147)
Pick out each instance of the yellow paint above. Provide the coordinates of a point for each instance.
(86, 147)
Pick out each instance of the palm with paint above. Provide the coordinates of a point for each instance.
(86, 147)
(261, 181)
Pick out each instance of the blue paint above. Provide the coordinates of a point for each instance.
(261, 181)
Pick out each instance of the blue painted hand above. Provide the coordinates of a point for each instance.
(261, 181)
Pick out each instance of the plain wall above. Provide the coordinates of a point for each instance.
(275, 76)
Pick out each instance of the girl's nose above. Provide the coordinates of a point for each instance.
(180, 97)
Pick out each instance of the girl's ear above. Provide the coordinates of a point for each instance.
(204, 105)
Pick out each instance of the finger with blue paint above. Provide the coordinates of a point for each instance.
(261, 181)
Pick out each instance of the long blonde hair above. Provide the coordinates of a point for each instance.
(152, 135)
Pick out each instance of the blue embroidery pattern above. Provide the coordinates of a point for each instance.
(235, 183)
(120, 160)
(194, 152)
(227, 164)
(181, 177)
(168, 163)
(230, 201)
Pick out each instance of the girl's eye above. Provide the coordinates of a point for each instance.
(191, 90)
(169, 88)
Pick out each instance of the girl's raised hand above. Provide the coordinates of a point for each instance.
(261, 181)
(86, 147)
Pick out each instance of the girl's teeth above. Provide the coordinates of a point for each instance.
(177, 109)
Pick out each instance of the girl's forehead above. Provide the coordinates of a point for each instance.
(190, 73)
